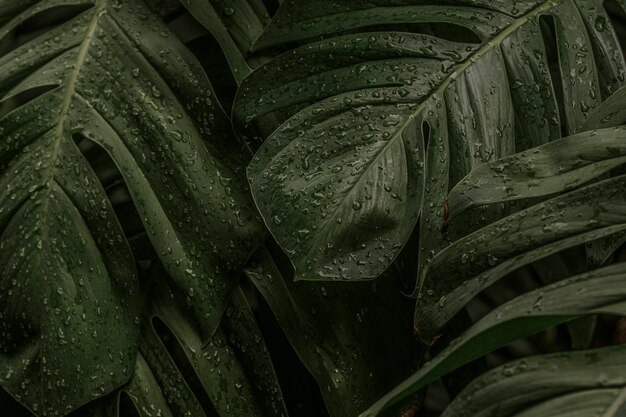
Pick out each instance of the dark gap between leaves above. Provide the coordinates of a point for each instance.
(212, 58)
(127, 407)
(271, 6)
(426, 135)
(610, 330)
(42, 22)
(186, 27)
(101, 406)
(11, 406)
(617, 15)
(548, 31)
(183, 365)
(301, 392)
(437, 399)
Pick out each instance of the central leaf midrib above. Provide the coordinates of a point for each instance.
(58, 136)
(460, 69)
(73, 79)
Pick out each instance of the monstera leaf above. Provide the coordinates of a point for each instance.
(574, 384)
(177, 374)
(111, 74)
(393, 93)
(349, 319)
(599, 292)
(236, 25)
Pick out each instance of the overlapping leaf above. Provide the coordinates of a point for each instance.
(573, 384)
(236, 25)
(558, 166)
(379, 115)
(472, 263)
(176, 375)
(599, 292)
(234, 370)
(234, 367)
(114, 74)
(340, 331)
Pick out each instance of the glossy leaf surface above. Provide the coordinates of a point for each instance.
(558, 166)
(110, 72)
(573, 384)
(377, 116)
(472, 263)
(340, 332)
(599, 292)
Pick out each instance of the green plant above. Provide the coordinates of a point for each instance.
(403, 191)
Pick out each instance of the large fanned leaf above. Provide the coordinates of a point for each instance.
(602, 291)
(378, 116)
(236, 25)
(572, 384)
(341, 331)
(470, 264)
(120, 79)
(115, 75)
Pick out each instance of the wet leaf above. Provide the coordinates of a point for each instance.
(612, 112)
(340, 332)
(233, 374)
(234, 367)
(472, 263)
(558, 166)
(599, 292)
(572, 384)
(378, 123)
(109, 72)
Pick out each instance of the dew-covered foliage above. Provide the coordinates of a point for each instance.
(311, 208)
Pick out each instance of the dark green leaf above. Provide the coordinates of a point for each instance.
(113, 73)
(119, 78)
(472, 263)
(341, 331)
(572, 384)
(371, 100)
(234, 368)
(602, 291)
(558, 166)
